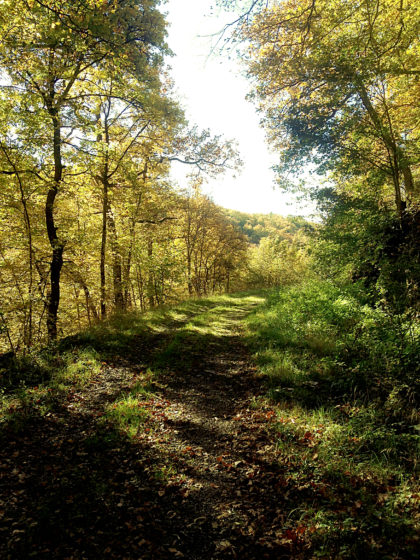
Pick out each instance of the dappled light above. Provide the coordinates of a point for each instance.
(180, 380)
(158, 440)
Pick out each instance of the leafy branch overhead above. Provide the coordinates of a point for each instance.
(336, 83)
(210, 154)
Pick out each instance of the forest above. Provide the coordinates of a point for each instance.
(182, 380)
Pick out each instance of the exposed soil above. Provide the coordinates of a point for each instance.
(199, 481)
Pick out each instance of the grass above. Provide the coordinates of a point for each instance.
(337, 373)
(35, 385)
(127, 414)
(340, 379)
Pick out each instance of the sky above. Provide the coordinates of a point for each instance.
(212, 90)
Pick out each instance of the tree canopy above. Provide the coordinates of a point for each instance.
(89, 127)
(337, 83)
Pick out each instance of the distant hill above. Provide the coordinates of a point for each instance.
(258, 226)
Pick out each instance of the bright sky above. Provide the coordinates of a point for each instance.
(213, 92)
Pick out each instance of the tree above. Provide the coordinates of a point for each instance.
(213, 246)
(337, 83)
(48, 53)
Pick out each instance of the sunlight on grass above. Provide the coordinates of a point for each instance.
(206, 321)
(58, 375)
(217, 322)
(80, 367)
(331, 370)
(127, 414)
(117, 333)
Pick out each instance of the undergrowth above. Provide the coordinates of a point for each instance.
(343, 378)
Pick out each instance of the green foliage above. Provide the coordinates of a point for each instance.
(259, 226)
(358, 350)
(279, 248)
(89, 129)
(336, 82)
(126, 414)
(330, 78)
(344, 377)
(384, 254)
(278, 262)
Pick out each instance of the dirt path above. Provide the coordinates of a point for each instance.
(199, 480)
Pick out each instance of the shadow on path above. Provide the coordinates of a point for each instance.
(199, 480)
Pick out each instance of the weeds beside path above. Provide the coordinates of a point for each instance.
(154, 440)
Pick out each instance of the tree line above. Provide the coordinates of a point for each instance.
(91, 223)
(337, 85)
(89, 127)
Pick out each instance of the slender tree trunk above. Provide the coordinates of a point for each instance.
(409, 183)
(126, 277)
(150, 281)
(133, 301)
(128, 288)
(103, 246)
(189, 278)
(116, 263)
(76, 297)
(140, 288)
(57, 245)
(6, 330)
(90, 307)
(132, 235)
(104, 179)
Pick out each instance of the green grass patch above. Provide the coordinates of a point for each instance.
(126, 414)
(21, 399)
(204, 322)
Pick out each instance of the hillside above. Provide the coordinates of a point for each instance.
(259, 226)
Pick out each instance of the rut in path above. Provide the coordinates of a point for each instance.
(198, 481)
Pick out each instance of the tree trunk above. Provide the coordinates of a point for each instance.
(75, 274)
(57, 245)
(395, 153)
(189, 279)
(103, 245)
(127, 267)
(116, 263)
(140, 288)
(150, 281)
